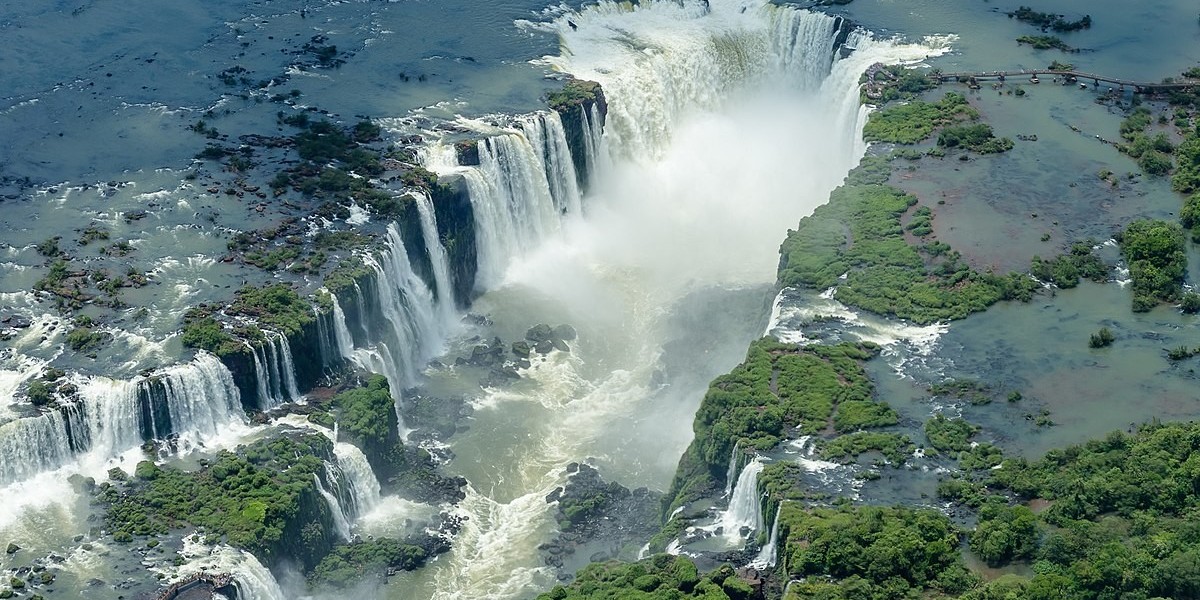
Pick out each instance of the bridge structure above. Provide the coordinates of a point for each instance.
(1072, 76)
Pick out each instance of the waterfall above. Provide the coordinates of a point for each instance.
(192, 400)
(255, 582)
(200, 398)
(745, 504)
(545, 133)
(340, 522)
(341, 331)
(595, 155)
(767, 555)
(415, 335)
(358, 478)
(511, 199)
(33, 445)
(801, 45)
(446, 304)
(732, 473)
(289, 367)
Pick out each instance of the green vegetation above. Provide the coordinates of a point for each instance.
(257, 499)
(870, 553)
(1186, 179)
(367, 415)
(1102, 338)
(1045, 42)
(896, 448)
(859, 233)
(1066, 270)
(86, 339)
(39, 393)
(1053, 21)
(894, 82)
(203, 332)
(777, 388)
(915, 121)
(972, 391)
(1157, 261)
(1121, 517)
(976, 138)
(347, 564)
(346, 274)
(661, 577)
(949, 435)
(575, 92)
(276, 307)
(1004, 533)
(1152, 153)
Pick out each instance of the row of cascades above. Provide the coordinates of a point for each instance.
(392, 323)
(530, 178)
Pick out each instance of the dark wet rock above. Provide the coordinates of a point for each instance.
(12, 548)
(600, 520)
(545, 338)
(539, 333)
(16, 322)
(521, 349)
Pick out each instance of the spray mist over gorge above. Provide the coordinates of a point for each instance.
(726, 122)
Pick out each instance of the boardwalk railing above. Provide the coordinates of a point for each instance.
(216, 580)
(1071, 75)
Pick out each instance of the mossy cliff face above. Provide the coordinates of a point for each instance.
(262, 498)
(780, 390)
(367, 419)
(456, 225)
(575, 102)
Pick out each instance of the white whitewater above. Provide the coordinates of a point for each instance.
(447, 307)
(198, 399)
(711, 155)
(33, 445)
(596, 157)
(514, 210)
(546, 135)
(341, 331)
(252, 580)
(415, 334)
(745, 504)
(525, 182)
(768, 554)
(732, 472)
(340, 521)
(358, 478)
(288, 366)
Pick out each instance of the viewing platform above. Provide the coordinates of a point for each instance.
(199, 586)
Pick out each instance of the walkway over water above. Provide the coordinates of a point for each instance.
(1080, 76)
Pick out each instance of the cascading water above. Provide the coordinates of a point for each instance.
(745, 504)
(732, 472)
(33, 445)
(193, 401)
(767, 555)
(546, 135)
(713, 151)
(358, 478)
(446, 304)
(514, 206)
(275, 371)
(340, 521)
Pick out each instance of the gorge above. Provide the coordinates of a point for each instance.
(338, 354)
